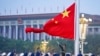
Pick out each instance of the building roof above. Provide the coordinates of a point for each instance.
(29, 16)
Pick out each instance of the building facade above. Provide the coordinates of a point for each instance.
(13, 26)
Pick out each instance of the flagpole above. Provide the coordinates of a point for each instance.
(76, 49)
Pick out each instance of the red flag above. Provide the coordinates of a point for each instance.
(63, 24)
(35, 30)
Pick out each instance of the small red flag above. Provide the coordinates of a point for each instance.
(63, 24)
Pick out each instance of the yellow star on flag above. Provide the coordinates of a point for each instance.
(65, 13)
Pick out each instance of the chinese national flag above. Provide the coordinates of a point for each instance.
(62, 25)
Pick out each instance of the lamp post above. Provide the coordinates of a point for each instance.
(83, 27)
(44, 45)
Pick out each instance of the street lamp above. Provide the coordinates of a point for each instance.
(44, 45)
(83, 27)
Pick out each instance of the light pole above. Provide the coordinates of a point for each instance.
(83, 27)
(44, 45)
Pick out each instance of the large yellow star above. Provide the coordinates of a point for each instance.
(65, 13)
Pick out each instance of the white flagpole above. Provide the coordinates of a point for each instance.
(76, 49)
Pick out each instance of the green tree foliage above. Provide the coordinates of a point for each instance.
(93, 44)
(7, 45)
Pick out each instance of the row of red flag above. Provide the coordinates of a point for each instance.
(61, 25)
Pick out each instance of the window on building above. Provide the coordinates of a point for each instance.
(1, 30)
(89, 29)
(21, 32)
(28, 22)
(41, 34)
(96, 29)
(34, 34)
(7, 31)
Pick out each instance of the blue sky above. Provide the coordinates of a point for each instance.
(8, 7)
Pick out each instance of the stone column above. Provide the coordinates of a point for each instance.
(10, 31)
(4, 30)
(24, 31)
(31, 32)
(50, 37)
(16, 32)
(37, 36)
